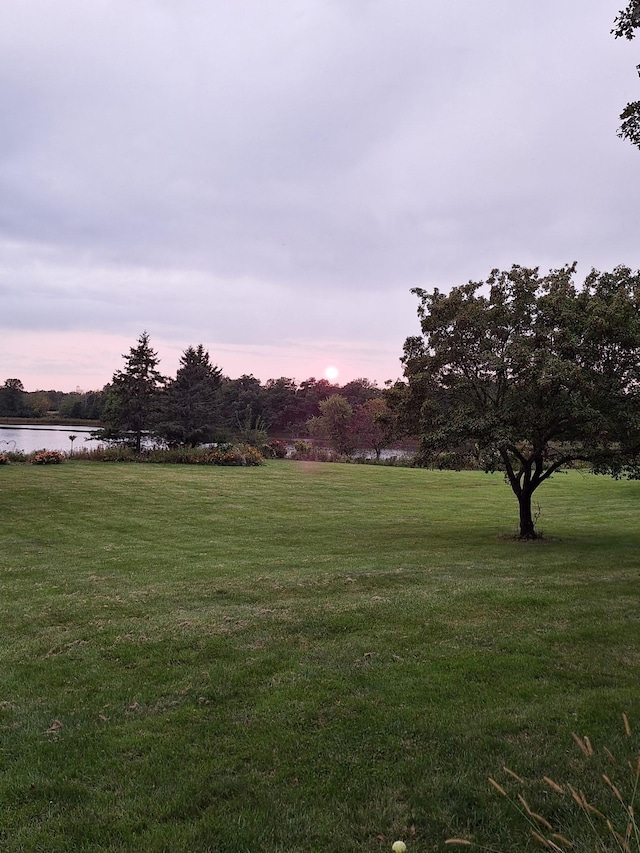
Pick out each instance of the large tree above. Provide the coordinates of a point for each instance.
(133, 398)
(374, 425)
(335, 424)
(625, 25)
(191, 403)
(13, 399)
(531, 372)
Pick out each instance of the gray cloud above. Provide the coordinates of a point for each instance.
(269, 171)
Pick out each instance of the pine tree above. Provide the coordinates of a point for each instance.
(134, 396)
(191, 405)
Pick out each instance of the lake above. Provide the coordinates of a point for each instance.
(30, 437)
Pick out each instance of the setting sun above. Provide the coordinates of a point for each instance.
(331, 373)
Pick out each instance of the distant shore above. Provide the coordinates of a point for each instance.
(50, 420)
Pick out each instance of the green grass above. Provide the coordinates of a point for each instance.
(301, 657)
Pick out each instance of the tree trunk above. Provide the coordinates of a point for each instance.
(527, 530)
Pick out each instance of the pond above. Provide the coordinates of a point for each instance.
(30, 437)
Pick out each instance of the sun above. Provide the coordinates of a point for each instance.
(331, 373)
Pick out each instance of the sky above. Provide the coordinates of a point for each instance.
(270, 178)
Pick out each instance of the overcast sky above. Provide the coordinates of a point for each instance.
(270, 177)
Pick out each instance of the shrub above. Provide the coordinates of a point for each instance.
(4, 458)
(252, 456)
(303, 449)
(223, 454)
(231, 457)
(46, 457)
(13, 456)
(117, 453)
(309, 452)
(275, 449)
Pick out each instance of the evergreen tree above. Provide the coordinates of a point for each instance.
(191, 405)
(134, 396)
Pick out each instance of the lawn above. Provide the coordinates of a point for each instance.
(304, 657)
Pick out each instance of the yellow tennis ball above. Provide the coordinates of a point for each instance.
(399, 847)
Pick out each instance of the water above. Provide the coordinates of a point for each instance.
(27, 438)
(30, 437)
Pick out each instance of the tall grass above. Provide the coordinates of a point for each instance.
(300, 657)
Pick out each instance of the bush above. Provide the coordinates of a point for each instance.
(252, 456)
(176, 455)
(46, 457)
(275, 449)
(223, 454)
(309, 452)
(4, 458)
(117, 453)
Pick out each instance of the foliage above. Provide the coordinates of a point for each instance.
(133, 398)
(275, 449)
(13, 400)
(13, 456)
(236, 455)
(190, 410)
(374, 425)
(115, 453)
(335, 424)
(307, 451)
(46, 457)
(533, 371)
(625, 24)
(310, 394)
(222, 454)
(360, 391)
(281, 410)
(81, 405)
(242, 402)
(4, 459)
(251, 429)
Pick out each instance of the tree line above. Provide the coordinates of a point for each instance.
(200, 405)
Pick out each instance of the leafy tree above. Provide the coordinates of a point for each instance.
(133, 397)
(281, 409)
(243, 404)
(13, 399)
(535, 373)
(358, 391)
(625, 24)
(374, 425)
(191, 403)
(39, 403)
(81, 405)
(310, 394)
(335, 423)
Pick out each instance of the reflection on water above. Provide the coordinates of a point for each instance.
(30, 437)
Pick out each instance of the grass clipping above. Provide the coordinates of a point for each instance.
(603, 828)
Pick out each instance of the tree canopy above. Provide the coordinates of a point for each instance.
(625, 25)
(529, 372)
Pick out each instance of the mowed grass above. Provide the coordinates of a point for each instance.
(302, 657)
